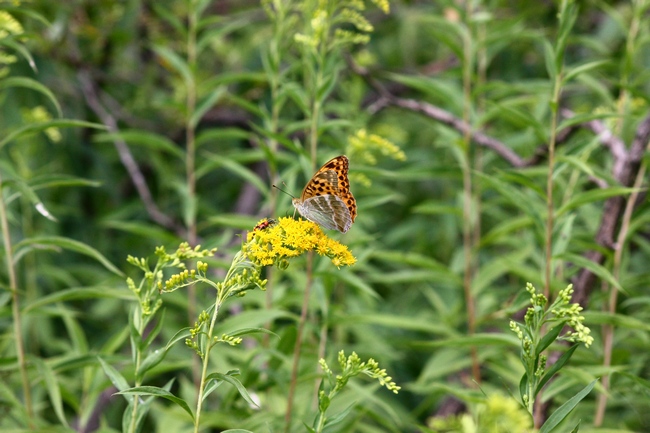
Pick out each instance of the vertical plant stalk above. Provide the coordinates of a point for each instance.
(467, 192)
(564, 17)
(206, 360)
(313, 147)
(190, 159)
(481, 74)
(272, 143)
(298, 346)
(138, 379)
(548, 241)
(608, 330)
(15, 310)
(314, 141)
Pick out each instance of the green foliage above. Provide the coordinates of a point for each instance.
(491, 144)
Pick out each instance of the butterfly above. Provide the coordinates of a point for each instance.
(326, 199)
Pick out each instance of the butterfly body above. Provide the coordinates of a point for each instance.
(326, 199)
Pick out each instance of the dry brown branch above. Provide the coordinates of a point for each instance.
(624, 170)
(90, 93)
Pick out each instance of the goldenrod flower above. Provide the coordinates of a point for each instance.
(276, 243)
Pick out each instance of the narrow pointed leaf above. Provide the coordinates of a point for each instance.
(563, 411)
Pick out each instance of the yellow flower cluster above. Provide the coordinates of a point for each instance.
(363, 145)
(275, 243)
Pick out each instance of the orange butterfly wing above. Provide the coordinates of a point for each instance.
(326, 199)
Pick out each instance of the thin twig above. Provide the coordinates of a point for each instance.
(90, 93)
(387, 99)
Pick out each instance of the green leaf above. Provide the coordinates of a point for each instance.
(441, 90)
(563, 238)
(149, 140)
(280, 138)
(19, 48)
(150, 361)
(563, 411)
(340, 416)
(484, 339)
(568, 16)
(530, 205)
(448, 32)
(355, 281)
(617, 320)
(40, 126)
(52, 386)
(523, 386)
(327, 86)
(577, 427)
(248, 175)
(236, 383)
(505, 230)
(142, 229)
(30, 195)
(158, 392)
(29, 83)
(115, 377)
(206, 104)
(250, 331)
(499, 266)
(638, 380)
(549, 60)
(223, 25)
(577, 163)
(181, 335)
(60, 180)
(584, 118)
(212, 135)
(575, 71)
(30, 244)
(595, 268)
(146, 342)
(76, 293)
(392, 321)
(562, 360)
(176, 62)
(593, 195)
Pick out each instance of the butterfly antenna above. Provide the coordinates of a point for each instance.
(280, 189)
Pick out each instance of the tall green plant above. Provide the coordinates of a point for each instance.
(535, 337)
(27, 128)
(270, 244)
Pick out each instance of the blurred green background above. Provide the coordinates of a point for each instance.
(131, 124)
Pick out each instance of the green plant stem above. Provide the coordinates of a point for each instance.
(272, 144)
(313, 146)
(467, 195)
(190, 160)
(608, 330)
(15, 309)
(298, 346)
(555, 105)
(549, 188)
(138, 381)
(206, 361)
